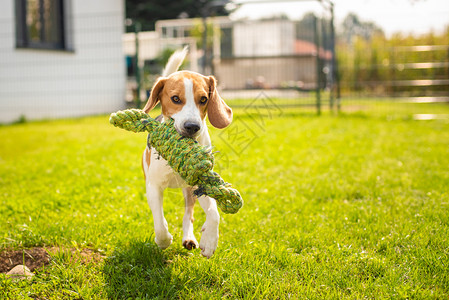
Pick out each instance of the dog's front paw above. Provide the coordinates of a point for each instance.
(209, 241)
(164, 242)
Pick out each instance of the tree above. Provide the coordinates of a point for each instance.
(352, 26)
(305, 28)
(148, 12)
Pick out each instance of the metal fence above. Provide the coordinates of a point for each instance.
(291, 62)
(414, 77)
(299, 64)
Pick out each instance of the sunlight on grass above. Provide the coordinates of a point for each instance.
(347, 206)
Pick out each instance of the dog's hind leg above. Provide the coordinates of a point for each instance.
(163, 238)
(188, 239)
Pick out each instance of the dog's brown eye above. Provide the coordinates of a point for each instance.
(203, 100)
(175, 99)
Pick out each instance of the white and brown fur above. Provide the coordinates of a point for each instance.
(187, 97)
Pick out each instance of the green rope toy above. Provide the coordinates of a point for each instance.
(190, 160)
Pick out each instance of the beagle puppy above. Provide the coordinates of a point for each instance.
(187, 97)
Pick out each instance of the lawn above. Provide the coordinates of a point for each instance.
(351, 206)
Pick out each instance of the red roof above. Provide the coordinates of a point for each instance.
(307, 48)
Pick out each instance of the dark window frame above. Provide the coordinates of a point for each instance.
(23, 39)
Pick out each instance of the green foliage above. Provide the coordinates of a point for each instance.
(198, 31)
(352, 27)
(21, 120)
(346, 207)
(373, 65)
(151, 74)
(147, 13)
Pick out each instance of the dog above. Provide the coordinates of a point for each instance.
(187, 97)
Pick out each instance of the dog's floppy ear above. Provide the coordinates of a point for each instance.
(154, 96)
(220, 114)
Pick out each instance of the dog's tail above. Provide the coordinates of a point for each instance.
(175, 61)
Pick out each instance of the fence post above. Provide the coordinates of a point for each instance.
(204, 41)
(137, 28)
(392, 72)
(318, 65)
(335, 87)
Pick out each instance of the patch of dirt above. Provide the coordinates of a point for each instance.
(38, 257)
(32, 258)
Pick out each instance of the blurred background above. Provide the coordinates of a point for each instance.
(66, 58)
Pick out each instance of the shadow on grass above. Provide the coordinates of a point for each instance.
(139, 270)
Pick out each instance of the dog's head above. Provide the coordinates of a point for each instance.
(188, 97)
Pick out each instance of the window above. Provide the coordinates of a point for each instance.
(226, 45)
(130, 65)
(40, 24)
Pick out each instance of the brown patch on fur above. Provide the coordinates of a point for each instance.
(220, 114)
(174, 86)
(200, 89)
(147, 156)
(154, 96)
(190, 200)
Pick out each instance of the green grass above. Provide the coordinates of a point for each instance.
(351, 206)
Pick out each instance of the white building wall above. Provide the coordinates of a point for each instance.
(89, 79)
(151, 45)
(287, 38)
(263, 38)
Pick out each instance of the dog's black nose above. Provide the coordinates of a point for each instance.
(191, 128)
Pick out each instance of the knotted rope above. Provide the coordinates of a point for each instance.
(189, 159)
